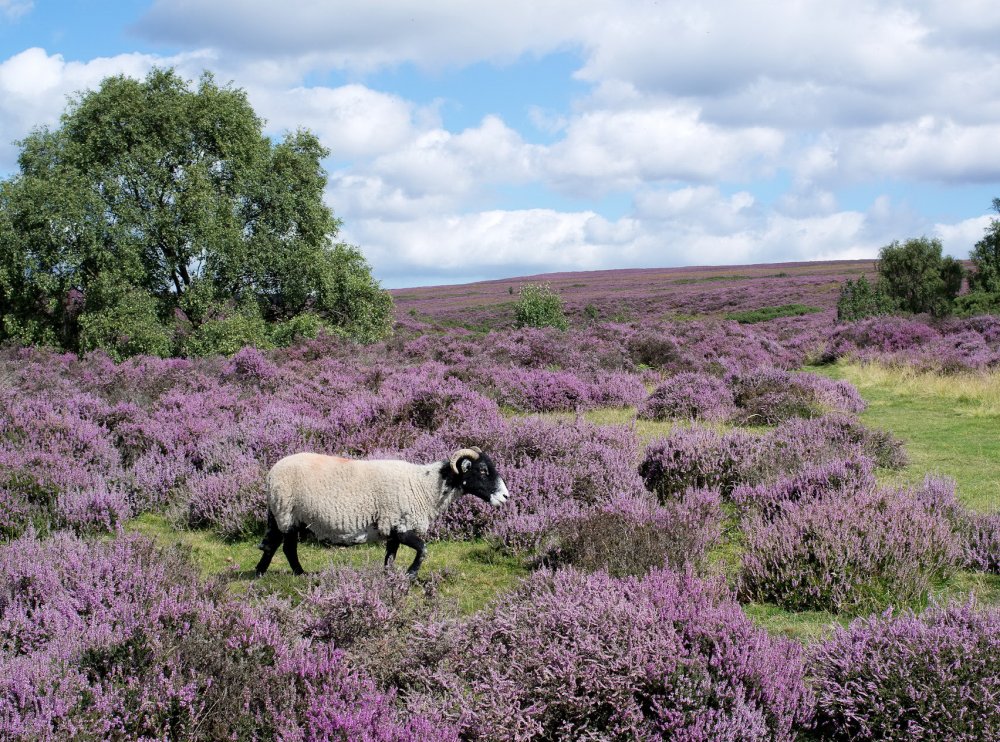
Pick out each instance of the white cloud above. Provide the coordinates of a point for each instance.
(603, 150)
(353, 120)
(14, 9)
(961, 237)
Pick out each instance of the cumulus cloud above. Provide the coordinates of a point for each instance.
(959, 238)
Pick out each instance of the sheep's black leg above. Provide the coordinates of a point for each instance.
(291, 549)
(272, 539)
(416, 543)
(391, 547)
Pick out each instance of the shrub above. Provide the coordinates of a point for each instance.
(574, 656)
(539, 305)
(770, 396)
(930, 677)
(847, 553)
(689, 395)
(700, 458)
(838, 476)
(121, 640)
(859, 300)
(629, 535)
(981, 541)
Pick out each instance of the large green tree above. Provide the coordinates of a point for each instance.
(917, 278)
(986, 258)
(158, 211)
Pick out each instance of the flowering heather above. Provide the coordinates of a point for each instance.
(981, 541)
(847, 553)
(838, 476)
(768, 396)
(627, 536)
(689, 396)
(121, 640)
(930, 677)
(699, 457)
(702, 457)
(575, 656)
(945, 347)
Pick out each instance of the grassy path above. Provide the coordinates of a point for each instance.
(950, 424)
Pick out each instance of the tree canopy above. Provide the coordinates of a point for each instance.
(917, 278)
(158, 218)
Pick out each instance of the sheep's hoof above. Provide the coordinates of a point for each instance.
(262, 546)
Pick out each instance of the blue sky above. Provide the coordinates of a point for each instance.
(484, 140)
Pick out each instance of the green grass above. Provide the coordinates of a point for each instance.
(764, 314)
(949, 425)
(474, 571)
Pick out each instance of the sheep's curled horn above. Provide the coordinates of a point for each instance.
(472, 453)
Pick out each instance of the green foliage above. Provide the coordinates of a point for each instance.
(121, 320)
(764, 314)
(227, 334)
(917, 278)
(977, 302)
(860, 299)
(174, 195)
(539, 306)
(986, 259)
(299, 327)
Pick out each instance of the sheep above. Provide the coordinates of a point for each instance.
(347, 501)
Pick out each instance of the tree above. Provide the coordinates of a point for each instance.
(917, 278)
(986, 258)
(860, 299)
(165, 203)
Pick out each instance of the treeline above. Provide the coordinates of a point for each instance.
(914, 277)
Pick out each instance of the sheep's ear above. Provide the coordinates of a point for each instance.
(466, 465)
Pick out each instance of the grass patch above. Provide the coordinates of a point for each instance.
(475, 572)
(765, 314)
(948, 423)
(802, 626)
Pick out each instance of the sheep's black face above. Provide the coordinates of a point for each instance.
(479, 477)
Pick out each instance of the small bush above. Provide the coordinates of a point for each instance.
(225, 336)
(930, 677)
(859, 299)
(771, 396)
(981, 541)
(539, 305)
(700, 458)
(847, 554)
(689, 396)
(631, 536)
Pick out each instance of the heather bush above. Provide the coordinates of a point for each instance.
(847, 552)
(574, 656)
(121, 640)
(691, 396)
(935, 676)
(770, 396)
(627, 536)
(700, 458)
(838, 476)
(981, 541)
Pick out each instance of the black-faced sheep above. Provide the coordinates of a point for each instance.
(346, 501)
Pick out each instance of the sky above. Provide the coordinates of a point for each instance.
(477, 140)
